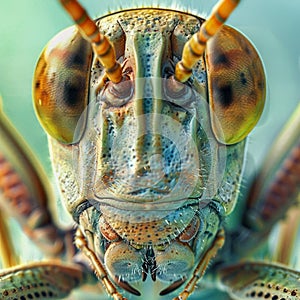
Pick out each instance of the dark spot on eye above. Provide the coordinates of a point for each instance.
(72, 93)
(53, 77)
(79, 58)
(261, 85)
(243, 79)
(37, 84)
(224, 95)
(220, 58)
(247, 50)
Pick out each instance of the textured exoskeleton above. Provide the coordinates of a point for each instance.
(147, 115)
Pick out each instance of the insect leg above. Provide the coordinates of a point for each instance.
(7, 251)
(203, 264)
(288, 232)
(97, 266)
(25, 194)
(260, 281)
(42, 280)
(275, 190)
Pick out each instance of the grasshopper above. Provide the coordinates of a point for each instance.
(147, 112)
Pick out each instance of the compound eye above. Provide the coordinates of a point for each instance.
(236, 85)
(61, 84)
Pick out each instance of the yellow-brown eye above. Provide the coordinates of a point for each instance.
(61, 84)
(236, 85)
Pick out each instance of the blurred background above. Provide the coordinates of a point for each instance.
(272, 25)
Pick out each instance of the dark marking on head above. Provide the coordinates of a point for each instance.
(37, 84)
(248, 51)
(220, 58)
(126, 286)
(53, 78)
(243, 78)
(261, 84)
(78, 52)
(175, 285)
(224, 95)
(73, 93)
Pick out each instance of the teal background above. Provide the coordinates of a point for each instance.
(272, 25)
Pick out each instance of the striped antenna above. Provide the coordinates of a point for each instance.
(195, 47)
(102, 47)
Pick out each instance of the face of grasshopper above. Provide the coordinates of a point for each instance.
(144, 165)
